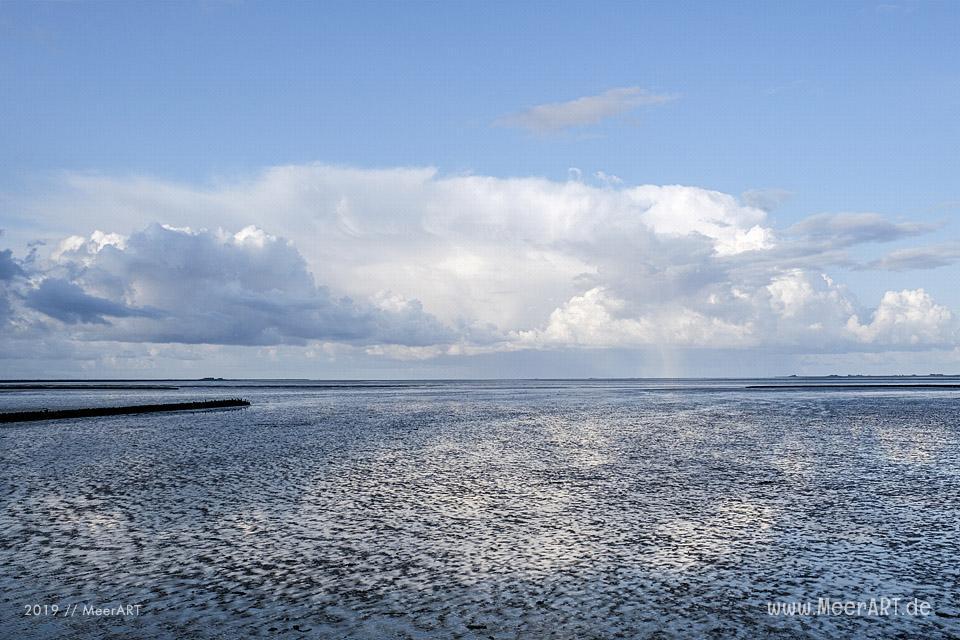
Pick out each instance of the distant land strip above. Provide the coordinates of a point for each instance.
(842, 385)
(92, 412)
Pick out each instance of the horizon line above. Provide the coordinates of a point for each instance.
(517, 379)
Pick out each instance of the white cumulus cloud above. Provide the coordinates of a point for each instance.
(597, 319)
(908, 317)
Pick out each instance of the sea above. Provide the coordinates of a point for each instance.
(779, 508)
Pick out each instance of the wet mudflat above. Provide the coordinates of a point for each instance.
(503, 510)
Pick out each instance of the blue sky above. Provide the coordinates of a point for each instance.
(839, 107)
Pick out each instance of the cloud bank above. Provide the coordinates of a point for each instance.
(410, 264)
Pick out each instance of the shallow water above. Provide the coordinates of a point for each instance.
(582, 509)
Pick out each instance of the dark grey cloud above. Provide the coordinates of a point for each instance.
(68, 303)
(167, 285)
(930, 257)
(9, 268)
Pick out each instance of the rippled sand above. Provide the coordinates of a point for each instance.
(485, 511)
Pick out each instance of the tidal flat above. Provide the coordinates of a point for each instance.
(508, 509)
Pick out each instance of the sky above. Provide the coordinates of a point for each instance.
(478, 190)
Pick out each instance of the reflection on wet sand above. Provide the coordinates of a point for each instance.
(505, 512)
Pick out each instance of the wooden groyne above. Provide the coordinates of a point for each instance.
(84, 387)
(93, 412)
